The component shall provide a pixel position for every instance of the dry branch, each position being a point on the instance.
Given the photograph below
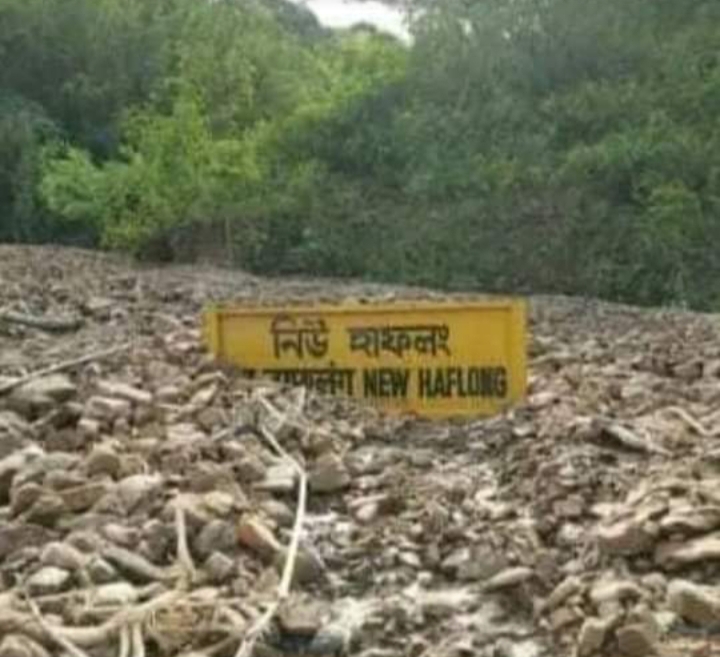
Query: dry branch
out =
(262, 624)
(64, 366)
(184, 557)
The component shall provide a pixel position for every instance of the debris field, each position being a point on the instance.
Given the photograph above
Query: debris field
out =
(154, 503)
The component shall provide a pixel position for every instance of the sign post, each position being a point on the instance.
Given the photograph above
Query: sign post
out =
(431, 359)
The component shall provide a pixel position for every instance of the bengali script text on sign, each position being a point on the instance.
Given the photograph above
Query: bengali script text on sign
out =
(431, 359)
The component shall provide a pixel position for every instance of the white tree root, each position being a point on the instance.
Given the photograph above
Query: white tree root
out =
(184, 558)
(124, 642)
(262, 624)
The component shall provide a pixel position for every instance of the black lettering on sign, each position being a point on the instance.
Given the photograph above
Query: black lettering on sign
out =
(330, 381)
(398, 339)
(308, 335)
(386, 383)
(450, 382)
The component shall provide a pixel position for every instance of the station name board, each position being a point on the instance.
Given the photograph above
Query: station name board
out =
(435, 359)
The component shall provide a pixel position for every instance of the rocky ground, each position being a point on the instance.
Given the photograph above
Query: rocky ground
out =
(151, 503)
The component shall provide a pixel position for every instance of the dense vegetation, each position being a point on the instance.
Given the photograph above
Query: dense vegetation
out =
(536, 145)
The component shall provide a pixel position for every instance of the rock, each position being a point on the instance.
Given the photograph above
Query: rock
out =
(185, 432)
(101, 572)
(329, 475)
(48, 580)
(158, 539)
(249, 469)
(564, 617)
(279, 512)
(691, 521)
(16, 645)
(63, 556)
(694, 603)
(170, 394)
(566, 589)
(309, 565)
(118, 390)
(614, 590)
(15, 537)
(673, 555)
(592, 636)
(82, 498)
(107, 409)
(127, 537)
(330, 641)
(134, 566)
(14, 432)
(220, 568)
(637, 640)
(367, 513)
(100, 308)
(10, 466)
(301, 617)
(23, 497)
(219, 503)
(144, 415)
(482, 564)
(410, 559)
(253, 534)
(216, 536)
(626, 538)
(571, 508)
(118, 594)
(46, 511)
(57, 388)
(58, 480)
(456, 559)
(280, 478)
(689, 371)
(211, 418)
(38, 469)
(657, 583)
(103, 461)
(203, 398)
(89, 428)
(138, 490)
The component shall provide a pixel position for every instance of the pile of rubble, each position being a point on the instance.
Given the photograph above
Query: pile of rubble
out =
(153, 503)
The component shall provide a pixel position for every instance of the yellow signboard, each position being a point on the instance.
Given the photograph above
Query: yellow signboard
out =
(432, 359)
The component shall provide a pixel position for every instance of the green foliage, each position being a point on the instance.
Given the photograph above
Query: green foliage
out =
(24, 129)
(537, 145)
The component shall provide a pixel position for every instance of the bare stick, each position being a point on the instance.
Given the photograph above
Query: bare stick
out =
(688, 419)
(138, 642)
(261, 624)
(64, 366)
(124, 642)
(183, 551)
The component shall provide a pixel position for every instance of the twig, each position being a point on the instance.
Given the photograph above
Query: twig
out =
(630, 440)
(138, 643)
(261, 624)
(694, 424)
(183, 551)
(64, 366)
(124, 642)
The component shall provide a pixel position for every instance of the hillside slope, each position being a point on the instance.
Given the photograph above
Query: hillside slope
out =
(142, 502)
